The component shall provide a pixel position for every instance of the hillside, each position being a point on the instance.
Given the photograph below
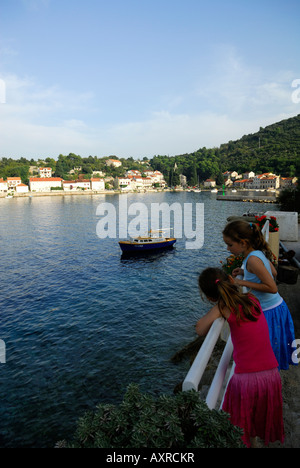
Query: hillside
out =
(275, 148)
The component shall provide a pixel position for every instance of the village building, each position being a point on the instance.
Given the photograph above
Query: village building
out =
(243, 184)
(22, 188)
(81, 184)
(123, 183)
(41, 184)
(137, 182)
(113, 162)
(3, 185)
(97, 184)
(147, 182)
(272, 182)
(133, 172)
(45, 172)
(288, 182)
(12, 182)
(75, 170)
(266, 181)
(98, 174)
(209, 183)
(248, 175)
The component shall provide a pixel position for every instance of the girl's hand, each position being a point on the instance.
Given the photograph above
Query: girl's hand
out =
(203, 325)
(237, 272)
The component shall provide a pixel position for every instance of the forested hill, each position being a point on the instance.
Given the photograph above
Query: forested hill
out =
(275, 148)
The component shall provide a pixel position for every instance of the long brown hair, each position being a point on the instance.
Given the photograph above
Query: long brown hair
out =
(242, 230)
(216, 285)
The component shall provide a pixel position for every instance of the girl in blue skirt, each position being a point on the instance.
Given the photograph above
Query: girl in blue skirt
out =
(246, 238)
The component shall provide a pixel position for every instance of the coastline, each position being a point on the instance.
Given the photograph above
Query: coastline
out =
(62, 193)
(241, 196)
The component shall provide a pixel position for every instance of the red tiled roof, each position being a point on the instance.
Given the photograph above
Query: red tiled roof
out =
(42, 179)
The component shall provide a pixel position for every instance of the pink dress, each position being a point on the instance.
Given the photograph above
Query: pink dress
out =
(253, 398)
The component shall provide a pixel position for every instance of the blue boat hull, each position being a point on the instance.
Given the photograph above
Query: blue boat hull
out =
(130, 247)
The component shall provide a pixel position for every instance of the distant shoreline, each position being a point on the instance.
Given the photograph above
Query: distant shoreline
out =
(61, 193)
(229, 197)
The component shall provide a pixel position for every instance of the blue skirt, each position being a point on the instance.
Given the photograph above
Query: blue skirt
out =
(282, 334)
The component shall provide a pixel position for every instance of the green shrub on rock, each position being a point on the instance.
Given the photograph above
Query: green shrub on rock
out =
(168, 421)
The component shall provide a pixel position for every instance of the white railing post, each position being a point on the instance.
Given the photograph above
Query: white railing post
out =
(219, 378)
(198, 367)
(266, 231)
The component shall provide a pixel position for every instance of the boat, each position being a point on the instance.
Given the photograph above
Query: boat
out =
(214, 190)
(147, 244)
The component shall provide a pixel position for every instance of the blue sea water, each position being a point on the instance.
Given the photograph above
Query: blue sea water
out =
(79, 322)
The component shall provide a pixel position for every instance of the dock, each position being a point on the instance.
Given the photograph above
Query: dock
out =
(240, 197)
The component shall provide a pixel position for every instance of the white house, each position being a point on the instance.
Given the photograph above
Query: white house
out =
(113, 162)
(3, 185)
(22, 188)
(12, 182)
(41, 184)
(209, 183)
(74, 185)
(147, 181)
(266, 181)
(97, 184)
(134, 173)
(139, 182)
(244, 183)
(124, 183)
(45, 172)
(159, 176)
(249, 175)
(272, 182)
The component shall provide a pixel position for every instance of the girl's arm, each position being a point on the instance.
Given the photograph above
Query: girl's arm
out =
(203, 325)
(256, 266)
(273, 269)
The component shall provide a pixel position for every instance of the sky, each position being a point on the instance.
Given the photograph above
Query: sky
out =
(138, 78)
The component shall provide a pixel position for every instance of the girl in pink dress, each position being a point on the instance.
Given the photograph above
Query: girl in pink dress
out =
(253, 398)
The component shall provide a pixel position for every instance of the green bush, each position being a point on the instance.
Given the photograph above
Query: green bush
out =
(143, 421)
